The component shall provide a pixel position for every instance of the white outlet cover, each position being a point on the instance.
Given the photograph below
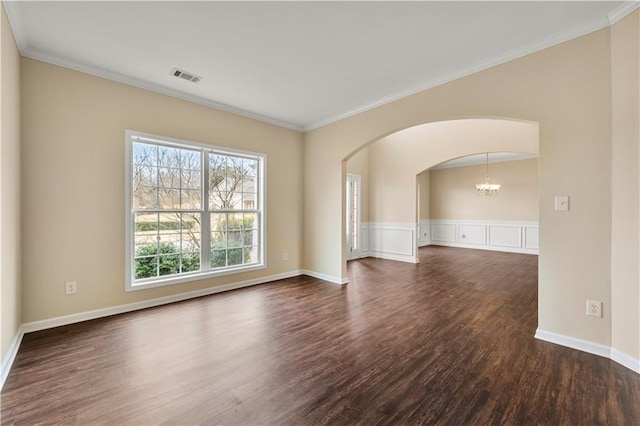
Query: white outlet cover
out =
(594, 308)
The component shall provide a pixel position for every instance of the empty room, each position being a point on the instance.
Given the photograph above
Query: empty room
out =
(320, 212)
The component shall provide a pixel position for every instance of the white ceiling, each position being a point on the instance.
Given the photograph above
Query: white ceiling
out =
(296, 64)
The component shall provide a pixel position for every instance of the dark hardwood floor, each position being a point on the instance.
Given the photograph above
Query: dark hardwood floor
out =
(448, 341)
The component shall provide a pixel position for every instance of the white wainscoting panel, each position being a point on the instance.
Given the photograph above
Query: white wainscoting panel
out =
(531, 237)
(395, 241)
(364, 239)
(443, 232)
(505, 236)
(472, 234)
(424, 233)
(510, 236)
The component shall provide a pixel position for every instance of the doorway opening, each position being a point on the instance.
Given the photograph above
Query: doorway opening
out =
(352, 204)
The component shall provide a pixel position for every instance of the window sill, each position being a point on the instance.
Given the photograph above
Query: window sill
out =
(162, 282)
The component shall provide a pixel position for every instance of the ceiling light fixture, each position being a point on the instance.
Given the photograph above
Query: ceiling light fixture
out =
(487, 188)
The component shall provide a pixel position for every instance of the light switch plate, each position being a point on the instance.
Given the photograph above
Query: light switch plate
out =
(562, 203)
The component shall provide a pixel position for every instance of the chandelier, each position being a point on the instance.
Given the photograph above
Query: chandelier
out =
(487, 188)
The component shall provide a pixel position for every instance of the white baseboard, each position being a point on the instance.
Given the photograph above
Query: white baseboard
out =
(7, 362)
(424, 243)
(626, 360)
(590, 347)
(325, 277)
(392, 256)
(130, 307)
(489, 248)
(574, 343)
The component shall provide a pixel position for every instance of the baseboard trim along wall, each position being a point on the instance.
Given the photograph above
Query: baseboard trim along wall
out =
(325, 277)
(11, 356)
(590, 347)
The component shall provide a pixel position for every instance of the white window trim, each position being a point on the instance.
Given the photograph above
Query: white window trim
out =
(129, 234)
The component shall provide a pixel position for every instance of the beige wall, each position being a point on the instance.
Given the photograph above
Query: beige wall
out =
(398, 158)
(625, 248)
(567, 90)
(424, 195)
(73, 185)
(359, 165)
(11, 315)
(453, 194)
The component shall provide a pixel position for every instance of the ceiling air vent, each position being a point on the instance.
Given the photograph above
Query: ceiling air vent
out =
(186, 75)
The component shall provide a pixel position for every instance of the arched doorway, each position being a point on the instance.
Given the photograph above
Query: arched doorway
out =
(396, 160)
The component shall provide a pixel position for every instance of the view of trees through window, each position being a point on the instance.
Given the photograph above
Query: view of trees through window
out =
(168, 186)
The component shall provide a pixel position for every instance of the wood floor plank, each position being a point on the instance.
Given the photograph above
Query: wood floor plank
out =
(448, 341)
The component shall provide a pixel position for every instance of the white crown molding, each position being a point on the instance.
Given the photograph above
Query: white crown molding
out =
(120, 78)
(553, 40)
(550, 41)
(623, 10)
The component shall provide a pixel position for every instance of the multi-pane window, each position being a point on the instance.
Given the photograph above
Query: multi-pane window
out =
(192, 210)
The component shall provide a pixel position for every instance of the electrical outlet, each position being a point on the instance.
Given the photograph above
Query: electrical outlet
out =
(285, 257)
(70, 287)
(594, 308)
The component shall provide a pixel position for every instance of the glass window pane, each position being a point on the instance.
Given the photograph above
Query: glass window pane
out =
(217, 182)
(190, 199)
(145, 245)
(190, 179)
(191, 232)
(169, 199)
(250, 238)
(190, 159)
(251, 254)
(235, 221)
(190, 262)
(146, 221)
(250, 166)
(145, 154)
(146, 267)
(235, 239)
(218, 222)
(249, 221)
(249, 184)
(168, 156)
(218, 240)
(169, 264)
(249, 201)
(234, 256)
(145, 199)
(218, 258)
(144, 176)
(168, 178)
